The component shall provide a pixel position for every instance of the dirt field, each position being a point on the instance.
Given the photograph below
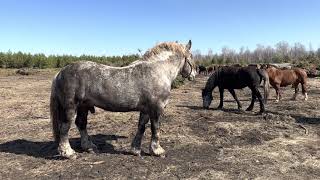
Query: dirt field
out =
(200, 144)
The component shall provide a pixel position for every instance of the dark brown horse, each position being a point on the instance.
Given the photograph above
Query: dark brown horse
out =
(202, 69)
(231, 78)
(284, 77)
(210, 70)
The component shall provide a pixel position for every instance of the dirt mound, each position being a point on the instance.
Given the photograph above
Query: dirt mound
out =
(26, 71)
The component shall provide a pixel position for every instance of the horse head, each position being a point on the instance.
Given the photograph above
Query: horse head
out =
(206, 98)
(189, 68)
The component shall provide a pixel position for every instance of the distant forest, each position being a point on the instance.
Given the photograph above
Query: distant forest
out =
(41, 61)
(282, 52)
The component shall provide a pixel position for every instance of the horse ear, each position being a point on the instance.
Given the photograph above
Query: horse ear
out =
(188, 46)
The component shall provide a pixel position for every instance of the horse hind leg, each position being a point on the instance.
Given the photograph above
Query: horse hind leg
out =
(296, 91)
(81, 123)
(253, 99)
(64, 147)
(258, 94)
(304, 91)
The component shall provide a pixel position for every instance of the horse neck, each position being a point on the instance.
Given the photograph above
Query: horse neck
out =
(211, 83)
(170, 66)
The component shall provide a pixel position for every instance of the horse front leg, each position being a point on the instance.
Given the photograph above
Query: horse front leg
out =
(136, 143)
(233, 93)
(155, 148)
(81, 123)
(221, 90)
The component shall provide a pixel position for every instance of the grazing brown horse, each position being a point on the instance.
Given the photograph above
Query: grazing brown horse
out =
(284, 77)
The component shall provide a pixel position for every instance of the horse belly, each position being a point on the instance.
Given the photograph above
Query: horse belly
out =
(233, 86)
(115, 103)
(118, 107)
(286, 82)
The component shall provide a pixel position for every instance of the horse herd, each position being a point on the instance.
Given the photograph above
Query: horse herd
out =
(145, 86)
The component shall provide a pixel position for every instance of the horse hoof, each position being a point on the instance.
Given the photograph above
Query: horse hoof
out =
(67, 152)
(157, 150)
(249, 109)
(71, 156)
(90, 147)
(136, 151)
(93, 150)
(260, 113)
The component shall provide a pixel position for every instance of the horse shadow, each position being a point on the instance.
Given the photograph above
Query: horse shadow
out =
(300, 119)
(191, 107)
(307, 120)
(229, 110)
(48, 149)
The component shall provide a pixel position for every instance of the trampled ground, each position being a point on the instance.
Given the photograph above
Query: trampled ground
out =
(284, 143)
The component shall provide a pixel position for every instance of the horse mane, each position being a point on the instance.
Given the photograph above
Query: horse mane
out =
(212, 80)
(164, 46)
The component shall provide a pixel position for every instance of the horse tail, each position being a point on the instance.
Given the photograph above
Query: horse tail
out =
(57, 114)
(266, 84)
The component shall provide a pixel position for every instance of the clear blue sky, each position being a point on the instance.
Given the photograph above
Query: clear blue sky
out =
(117, 27)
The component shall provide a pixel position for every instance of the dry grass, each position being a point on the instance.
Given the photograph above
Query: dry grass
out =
(200, 144)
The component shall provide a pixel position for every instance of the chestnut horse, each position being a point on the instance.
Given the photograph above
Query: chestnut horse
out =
(284, 77)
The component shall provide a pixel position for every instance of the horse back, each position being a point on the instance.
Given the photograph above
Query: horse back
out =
(285, 77)
(238, 77)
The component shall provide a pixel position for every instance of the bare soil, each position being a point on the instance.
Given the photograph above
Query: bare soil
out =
(283, 143)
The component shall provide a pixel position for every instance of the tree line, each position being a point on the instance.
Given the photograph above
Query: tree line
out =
(27, 60)
(282, 52)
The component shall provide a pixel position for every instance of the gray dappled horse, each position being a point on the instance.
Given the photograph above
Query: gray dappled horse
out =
(142, 86)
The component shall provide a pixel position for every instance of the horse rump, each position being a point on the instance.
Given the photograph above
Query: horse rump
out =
(57, 114)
